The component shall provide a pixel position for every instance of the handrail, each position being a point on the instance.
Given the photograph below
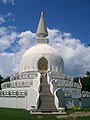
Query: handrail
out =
(37, 99)
(38, 75)
(56, 101)
(51, 87)
(48, 79)
(37, 102)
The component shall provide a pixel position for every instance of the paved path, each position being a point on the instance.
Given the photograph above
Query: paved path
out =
(74, 115)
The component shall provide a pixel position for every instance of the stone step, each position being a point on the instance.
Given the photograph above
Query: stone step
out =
(49, 100)
(43, 84)
(47, 104)
(45, 92)
(46, 98)
(47, 95)
(42, 97)
(44, 87)
(47, 110)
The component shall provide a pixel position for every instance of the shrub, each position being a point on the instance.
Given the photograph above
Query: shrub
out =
(76, 108)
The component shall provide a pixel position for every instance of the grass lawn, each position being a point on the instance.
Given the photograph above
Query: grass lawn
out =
(17, 114)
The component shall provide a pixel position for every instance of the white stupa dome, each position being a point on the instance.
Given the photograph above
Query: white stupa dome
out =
(31, 57)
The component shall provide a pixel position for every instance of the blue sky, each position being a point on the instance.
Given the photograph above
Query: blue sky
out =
(67, 15)
(68, 23)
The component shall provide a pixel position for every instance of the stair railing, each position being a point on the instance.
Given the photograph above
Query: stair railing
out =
(37, 99)
(38, 75)
(48, 79)
(51, 87)
(56, 100)
(37, 102)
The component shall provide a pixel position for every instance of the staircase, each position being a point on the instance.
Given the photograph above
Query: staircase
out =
(46, 98)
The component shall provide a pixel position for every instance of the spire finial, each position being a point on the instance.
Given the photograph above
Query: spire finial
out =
(42, 29)
(42, 13)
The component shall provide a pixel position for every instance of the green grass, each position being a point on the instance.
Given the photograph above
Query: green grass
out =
(19, 114)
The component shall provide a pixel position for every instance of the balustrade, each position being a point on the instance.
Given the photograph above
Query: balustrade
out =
(13, 93)
(16, 84)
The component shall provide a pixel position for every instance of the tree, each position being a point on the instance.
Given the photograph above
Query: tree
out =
(85, 81)
(88, 74)
(89, 44)
(1, 77)
(2, 80)
(76, 79)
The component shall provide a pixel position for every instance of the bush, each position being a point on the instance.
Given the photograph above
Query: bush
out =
(76, 108)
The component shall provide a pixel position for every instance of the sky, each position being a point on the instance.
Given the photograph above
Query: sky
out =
(68, 23)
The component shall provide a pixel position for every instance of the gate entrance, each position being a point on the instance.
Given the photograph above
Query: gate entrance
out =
(43, 64)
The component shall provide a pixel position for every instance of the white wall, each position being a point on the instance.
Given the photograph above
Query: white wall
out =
(67, 102)
(21, 101)
(13, 102)
(32, 98)
(85, 102)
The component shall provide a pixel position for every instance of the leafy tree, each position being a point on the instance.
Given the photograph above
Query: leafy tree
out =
(76, 79)
(2, 80)
(85, 81)
(89, 44)
(6, 79)
(88, 74)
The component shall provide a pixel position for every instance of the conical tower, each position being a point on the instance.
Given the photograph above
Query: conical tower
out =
(42, 33)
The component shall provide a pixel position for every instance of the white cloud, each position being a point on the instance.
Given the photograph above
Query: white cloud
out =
(6, 65)
(2, 20)
(1, 72)
(9, 1)
(7, 37)
(15, 42)
(26, 39)
(7, 17)
(75, 54)
(67, 35)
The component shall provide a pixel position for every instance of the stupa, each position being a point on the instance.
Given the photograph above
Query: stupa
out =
(41, 84)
